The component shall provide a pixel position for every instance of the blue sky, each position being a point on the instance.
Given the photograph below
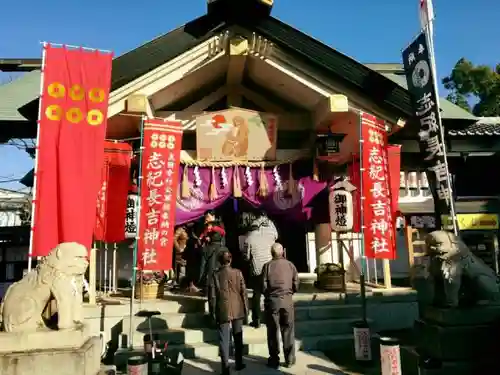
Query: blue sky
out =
(369, 31)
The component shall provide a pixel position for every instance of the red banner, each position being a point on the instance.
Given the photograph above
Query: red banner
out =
(160, 170)
(73, 117)
(112, 198)
(378, 228)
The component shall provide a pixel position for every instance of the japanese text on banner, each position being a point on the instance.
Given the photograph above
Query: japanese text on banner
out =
(425, 103)
(378, 222)
(160, 170)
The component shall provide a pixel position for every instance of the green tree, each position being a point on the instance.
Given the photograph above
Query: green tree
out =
(474, 83)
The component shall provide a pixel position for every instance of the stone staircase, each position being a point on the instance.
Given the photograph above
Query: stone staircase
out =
(320, 325)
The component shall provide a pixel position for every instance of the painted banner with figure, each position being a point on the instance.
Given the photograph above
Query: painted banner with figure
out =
(70, 152)
(112, 197)
(162, 144)
(378, 222)
(236, 134)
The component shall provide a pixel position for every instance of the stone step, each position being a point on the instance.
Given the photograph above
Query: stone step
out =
(253, 348)
(198, 319)
(208, 335)
(165, 321)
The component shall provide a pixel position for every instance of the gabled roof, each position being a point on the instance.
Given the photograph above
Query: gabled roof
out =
(387, 90)
(486, 126)
(166, 47)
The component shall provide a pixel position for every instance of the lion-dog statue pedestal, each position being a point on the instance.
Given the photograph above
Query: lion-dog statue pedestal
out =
(27, 344)
(457, 333)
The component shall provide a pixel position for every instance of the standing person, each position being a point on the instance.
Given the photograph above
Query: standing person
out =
(211, 224)
(210, 258)
(280, 281)
(261, 236)
(180, 243)
(191, 255)
(228, 305)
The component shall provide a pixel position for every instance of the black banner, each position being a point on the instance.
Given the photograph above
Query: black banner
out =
(420, 80)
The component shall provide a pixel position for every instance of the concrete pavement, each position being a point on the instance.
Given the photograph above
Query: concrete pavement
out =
(308, 363)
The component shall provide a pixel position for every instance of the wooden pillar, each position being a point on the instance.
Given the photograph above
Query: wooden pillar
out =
(387, 273)
(323, 242)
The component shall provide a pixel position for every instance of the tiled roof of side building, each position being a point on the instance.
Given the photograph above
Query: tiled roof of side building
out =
(17, 93)
(485, 126)
(449, 110)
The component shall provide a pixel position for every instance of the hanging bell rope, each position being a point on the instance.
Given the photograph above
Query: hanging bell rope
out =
(292, 184)
(236, 183)
(263, 184)
(212, 192)
(185, 193)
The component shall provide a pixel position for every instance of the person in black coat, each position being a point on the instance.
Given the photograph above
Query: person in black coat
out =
(210, 257)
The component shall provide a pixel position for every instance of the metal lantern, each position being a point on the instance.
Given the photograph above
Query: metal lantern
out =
(341, 206)
(328, 145)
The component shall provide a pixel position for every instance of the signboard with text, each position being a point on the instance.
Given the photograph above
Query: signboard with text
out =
(420, 80)
(160, 170)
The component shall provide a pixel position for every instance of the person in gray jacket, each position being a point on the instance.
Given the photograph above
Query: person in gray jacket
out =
(261, 236)
(280, 281)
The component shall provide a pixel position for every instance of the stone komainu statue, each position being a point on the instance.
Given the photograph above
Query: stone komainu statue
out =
(59, 275)
(457, 276)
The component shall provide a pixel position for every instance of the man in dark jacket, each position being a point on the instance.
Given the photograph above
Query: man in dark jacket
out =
(228, 304)
(210, 257)
(279, 282)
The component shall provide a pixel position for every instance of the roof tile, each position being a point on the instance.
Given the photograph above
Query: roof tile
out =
(485, 126)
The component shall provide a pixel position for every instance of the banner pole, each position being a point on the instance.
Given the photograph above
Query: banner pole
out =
(430, 44)
(137, 237)
(114, 267)
(106, 286)
(362, 224)
(35, 170)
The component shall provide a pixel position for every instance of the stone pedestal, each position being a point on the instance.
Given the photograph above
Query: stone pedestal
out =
(50, 352)
(457, 341)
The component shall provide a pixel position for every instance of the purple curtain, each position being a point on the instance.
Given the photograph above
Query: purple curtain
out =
(278, 201)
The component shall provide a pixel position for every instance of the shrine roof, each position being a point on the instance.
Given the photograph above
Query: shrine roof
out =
(385, 89)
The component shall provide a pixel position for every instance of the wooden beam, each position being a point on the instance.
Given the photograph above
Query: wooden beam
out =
(261, 100)
(400, 124)
(328, 107)
(286, 121)
(197, 107)
(238, 52)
